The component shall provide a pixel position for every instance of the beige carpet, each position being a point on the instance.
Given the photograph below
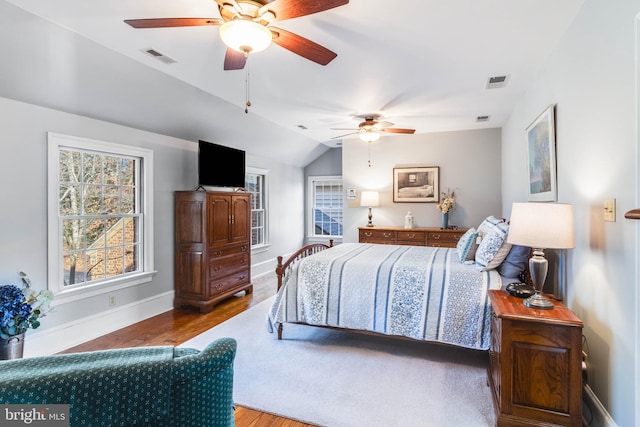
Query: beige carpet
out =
(341, 379)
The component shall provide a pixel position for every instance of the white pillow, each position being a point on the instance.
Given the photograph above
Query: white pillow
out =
(493, 248)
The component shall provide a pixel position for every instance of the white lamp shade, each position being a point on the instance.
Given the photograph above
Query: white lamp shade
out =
(542, 225)
(369, 198)
(245, 35)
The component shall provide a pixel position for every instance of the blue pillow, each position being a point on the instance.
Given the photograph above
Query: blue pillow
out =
(467, 245)
(515, 262)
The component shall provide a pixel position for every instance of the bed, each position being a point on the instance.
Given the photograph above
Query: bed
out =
(415, 292)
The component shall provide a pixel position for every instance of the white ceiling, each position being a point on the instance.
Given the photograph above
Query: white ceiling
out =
(422, 64)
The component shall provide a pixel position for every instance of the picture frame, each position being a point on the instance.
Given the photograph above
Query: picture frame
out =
(541, 157)
(420, 184)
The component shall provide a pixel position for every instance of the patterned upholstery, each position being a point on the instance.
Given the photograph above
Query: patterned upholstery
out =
(145, 386)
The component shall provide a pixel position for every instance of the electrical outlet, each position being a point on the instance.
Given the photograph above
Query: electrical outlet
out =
(112, 300)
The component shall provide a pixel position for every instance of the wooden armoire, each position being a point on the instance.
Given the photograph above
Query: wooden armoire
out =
(212, 247)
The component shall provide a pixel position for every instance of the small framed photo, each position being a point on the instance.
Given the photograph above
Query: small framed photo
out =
(541, 153)
(416, 184)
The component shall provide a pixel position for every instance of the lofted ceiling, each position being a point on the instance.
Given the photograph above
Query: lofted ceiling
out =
(421, 64)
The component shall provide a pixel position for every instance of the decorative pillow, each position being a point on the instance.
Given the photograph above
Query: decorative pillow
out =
(467, 245)
(493, 248)
(515, 262)
(488, 224)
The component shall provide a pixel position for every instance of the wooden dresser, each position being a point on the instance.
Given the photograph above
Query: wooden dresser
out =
(212, 247)
(535, 363)
(410, 236)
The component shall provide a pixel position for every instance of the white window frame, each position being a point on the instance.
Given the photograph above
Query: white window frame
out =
(55, 143)
(265, 198)
(311, 184)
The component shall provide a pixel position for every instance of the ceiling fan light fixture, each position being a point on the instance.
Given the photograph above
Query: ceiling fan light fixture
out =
(245, 35)
(369, 136)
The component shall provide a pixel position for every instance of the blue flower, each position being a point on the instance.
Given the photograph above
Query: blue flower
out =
(21, 308)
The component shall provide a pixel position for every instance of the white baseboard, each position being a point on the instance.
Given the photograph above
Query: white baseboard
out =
(82, 330)
(594, 413)
(265, 267)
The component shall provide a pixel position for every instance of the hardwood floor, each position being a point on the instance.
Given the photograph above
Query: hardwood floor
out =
(179, 325)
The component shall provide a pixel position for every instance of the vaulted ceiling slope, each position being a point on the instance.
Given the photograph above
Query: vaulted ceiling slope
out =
(421, 64)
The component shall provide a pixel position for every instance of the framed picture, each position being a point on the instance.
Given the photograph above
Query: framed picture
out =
(416, 184)
(541, 153)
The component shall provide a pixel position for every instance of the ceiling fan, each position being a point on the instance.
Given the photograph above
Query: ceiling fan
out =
(372, 127)
(245, 27)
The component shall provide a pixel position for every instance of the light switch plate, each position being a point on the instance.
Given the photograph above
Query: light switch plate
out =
(610, 210)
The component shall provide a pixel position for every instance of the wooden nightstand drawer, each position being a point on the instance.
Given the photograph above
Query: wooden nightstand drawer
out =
(444, 238)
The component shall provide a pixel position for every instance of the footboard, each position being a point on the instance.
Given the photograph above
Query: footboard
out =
(283, 268)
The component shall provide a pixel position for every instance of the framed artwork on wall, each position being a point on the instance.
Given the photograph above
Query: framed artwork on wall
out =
(541, 156)
(416, 184)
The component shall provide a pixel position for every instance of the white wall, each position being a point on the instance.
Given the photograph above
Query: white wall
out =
(23, 218)
(469, 163)
(591, 78)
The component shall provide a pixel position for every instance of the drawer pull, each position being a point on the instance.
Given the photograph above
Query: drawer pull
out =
(387, 235)
(216, 269)
(217, 253)
(368, 233)
(243, 277)
(243, 249)
(243, 261)
(436, 236)
(411, 236)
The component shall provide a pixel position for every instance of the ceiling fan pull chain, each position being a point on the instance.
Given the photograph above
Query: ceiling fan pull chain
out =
(246, 82)
(369, 155)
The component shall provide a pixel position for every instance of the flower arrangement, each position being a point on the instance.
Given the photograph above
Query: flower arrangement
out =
(447, 202)
(21, 308)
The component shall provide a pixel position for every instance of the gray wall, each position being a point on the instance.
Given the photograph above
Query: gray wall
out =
(469, 163)
(23, 217)
(592, 77)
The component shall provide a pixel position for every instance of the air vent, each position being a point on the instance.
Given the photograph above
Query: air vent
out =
(482, 119)
(160, 56)
(497, 82)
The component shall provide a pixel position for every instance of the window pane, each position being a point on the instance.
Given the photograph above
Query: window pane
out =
(95, 231)
(73, 234)
(115, 262)
(327, 207)
(91, 168)
(92, 201)
(127, 171)
(69, 200)
(74, 268)
(111, 199)
(95, 263)
(69, 166)
(111, 170)
(127, 200)
(131, 258)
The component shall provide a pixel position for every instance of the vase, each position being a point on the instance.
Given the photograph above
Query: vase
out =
(445, 220)
(12, 347)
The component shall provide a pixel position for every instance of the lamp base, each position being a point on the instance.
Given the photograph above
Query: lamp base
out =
(538, 301)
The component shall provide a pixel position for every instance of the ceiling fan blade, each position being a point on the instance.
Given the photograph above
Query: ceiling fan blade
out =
(234, 60)
(287, 9)
(342, 136)
(381, 125)
(398, 130)
(173, 22)
(301, 46)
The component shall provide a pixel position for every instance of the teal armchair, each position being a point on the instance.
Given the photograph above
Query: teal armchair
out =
(143, 386)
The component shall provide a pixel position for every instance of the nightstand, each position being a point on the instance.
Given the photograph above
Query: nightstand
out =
(535, 363)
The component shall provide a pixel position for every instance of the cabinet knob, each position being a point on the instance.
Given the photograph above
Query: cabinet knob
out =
(243, 261)
(243, 277)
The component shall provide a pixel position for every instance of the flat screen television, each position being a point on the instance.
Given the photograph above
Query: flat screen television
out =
(220, 166)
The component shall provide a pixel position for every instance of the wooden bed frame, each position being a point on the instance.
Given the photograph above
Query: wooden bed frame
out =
(284, 267)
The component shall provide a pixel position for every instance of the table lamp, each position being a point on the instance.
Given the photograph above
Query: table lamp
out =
(369, 199)
(541, 226)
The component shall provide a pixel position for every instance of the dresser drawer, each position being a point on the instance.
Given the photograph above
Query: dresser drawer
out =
(446, 239)
(417, 238)
(231, 281)
(230, 250)
(377, 236)
(222, 266)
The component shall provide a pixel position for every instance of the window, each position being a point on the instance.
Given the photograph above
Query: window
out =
(100, 214)
(326, 202)
(256, 184)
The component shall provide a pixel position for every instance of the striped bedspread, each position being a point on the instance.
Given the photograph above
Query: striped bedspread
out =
(423, 293)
